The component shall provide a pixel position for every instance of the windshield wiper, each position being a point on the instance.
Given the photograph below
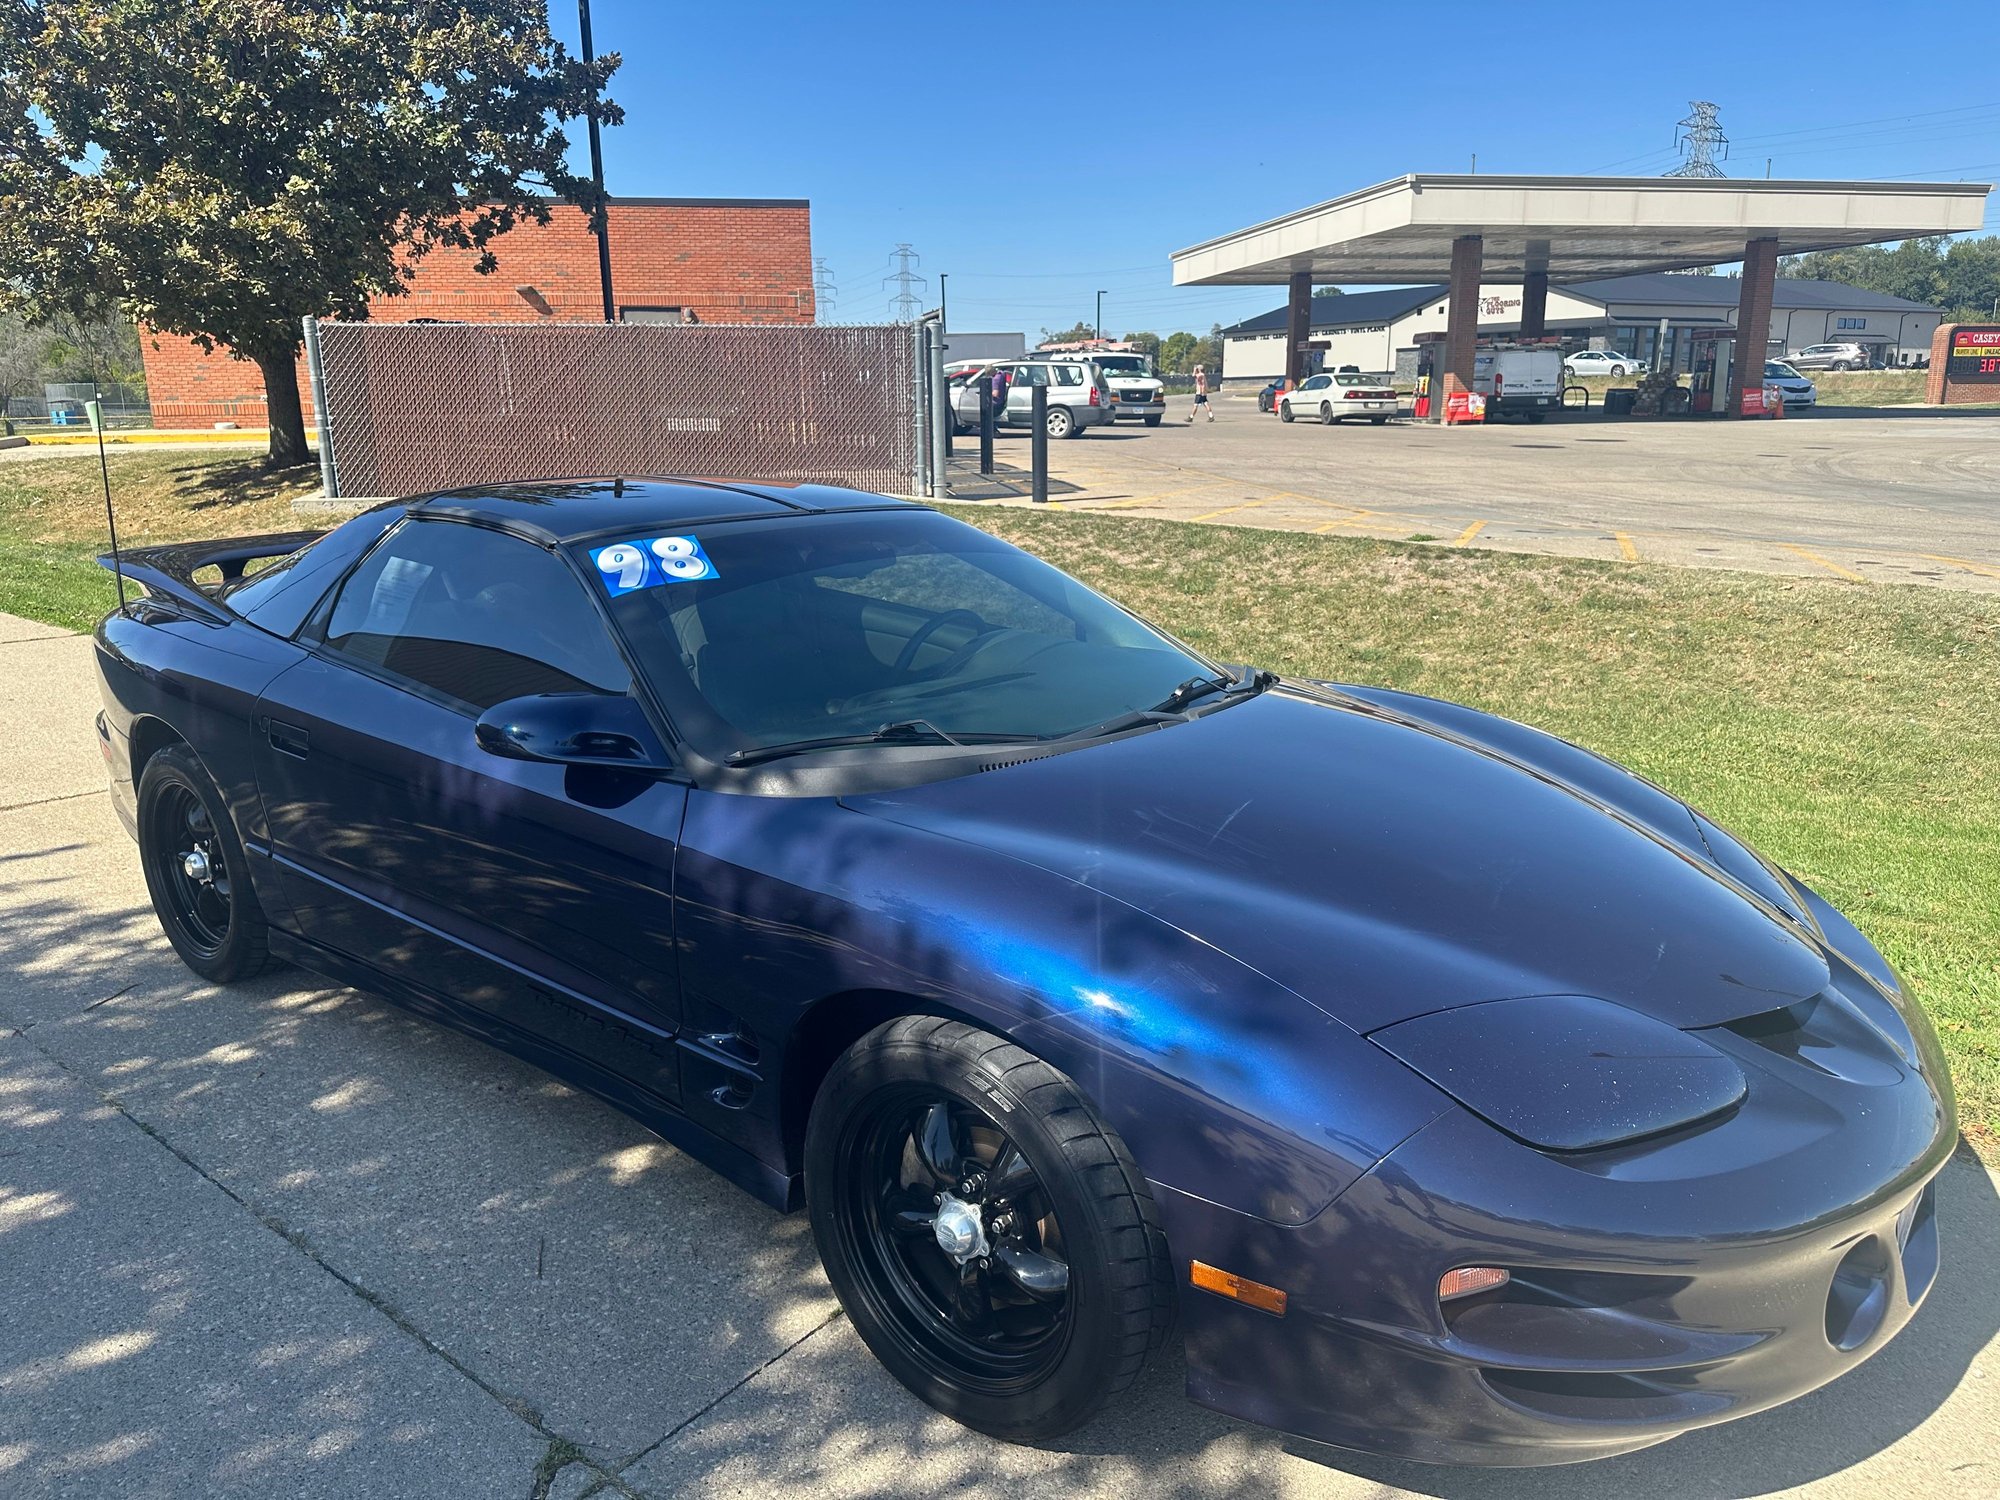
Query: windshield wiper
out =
(1170, 709)
(1187, 692)
(902, 732)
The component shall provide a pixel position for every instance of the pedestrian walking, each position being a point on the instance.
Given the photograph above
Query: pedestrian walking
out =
(1201, 395)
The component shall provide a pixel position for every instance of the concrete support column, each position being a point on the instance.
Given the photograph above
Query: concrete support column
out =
(1534, 304)
(1298, 325)
(1461, 329)
(1753, 319)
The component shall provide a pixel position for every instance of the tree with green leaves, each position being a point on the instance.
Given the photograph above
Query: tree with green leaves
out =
(1326, 291)
(1080, 333)
(225, 168)
(1147, 344)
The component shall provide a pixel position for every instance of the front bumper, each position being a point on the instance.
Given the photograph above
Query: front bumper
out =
(1139, 409)
(1659, 1287)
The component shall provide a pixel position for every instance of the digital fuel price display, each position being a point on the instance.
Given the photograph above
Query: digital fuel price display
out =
(1974, 355)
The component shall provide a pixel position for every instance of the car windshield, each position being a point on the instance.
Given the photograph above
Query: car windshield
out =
(1778, 370)
(767, 633)
(1370, 380)
(1123, 364)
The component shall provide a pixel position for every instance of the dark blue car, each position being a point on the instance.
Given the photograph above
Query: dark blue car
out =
(1463, 1095)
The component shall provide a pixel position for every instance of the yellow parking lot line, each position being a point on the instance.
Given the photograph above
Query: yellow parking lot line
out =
(1469, 533)
(1959, 562)
(1355, 520)
(1157, 496)
(1625, 547)
(1831, 567)
(1230, 510)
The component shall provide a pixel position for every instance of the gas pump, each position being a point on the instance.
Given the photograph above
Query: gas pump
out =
(1713, 358)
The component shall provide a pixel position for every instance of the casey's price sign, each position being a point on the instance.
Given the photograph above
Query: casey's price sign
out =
(1975, 355)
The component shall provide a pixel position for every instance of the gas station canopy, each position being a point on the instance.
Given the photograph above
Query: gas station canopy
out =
(1571, 228)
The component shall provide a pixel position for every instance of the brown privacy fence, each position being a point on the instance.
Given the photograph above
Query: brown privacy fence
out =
(411, 407)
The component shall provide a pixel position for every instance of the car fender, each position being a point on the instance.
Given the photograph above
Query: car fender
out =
(1224, 1084)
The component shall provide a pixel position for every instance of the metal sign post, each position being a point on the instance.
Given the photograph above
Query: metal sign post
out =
(329, 477)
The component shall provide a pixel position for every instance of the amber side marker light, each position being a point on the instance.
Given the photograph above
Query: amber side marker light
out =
(1469, 1279)
(1237, 1288)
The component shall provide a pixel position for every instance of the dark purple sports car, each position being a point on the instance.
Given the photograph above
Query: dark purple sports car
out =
(1463, 1095)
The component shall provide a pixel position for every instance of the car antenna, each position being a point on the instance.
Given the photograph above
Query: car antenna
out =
(94, 409)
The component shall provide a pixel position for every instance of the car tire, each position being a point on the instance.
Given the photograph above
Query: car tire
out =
(1154, 420)
(1838, 364)
(1617, 372)
(1326, 416)
(210, 914)
(1031, 1340)
(1377, 421)
(1285, 411)
(1060, 423)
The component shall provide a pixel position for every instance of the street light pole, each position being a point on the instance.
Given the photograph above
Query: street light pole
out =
(1100, 317)
(943, 326)
(601, 216)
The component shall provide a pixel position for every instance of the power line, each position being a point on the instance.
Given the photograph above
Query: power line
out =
(826, 295)
(906, 302)
(1698, 135)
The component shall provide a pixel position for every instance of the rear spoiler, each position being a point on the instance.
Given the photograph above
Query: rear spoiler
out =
(170, 570)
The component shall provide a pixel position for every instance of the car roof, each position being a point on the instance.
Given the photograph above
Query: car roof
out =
(567, 510)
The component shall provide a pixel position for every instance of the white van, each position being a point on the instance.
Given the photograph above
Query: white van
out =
(1519, 380)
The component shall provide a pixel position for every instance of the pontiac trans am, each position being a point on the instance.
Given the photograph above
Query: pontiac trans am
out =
(1455, 1093)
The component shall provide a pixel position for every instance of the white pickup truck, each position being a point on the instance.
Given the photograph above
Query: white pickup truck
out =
(1519, 381)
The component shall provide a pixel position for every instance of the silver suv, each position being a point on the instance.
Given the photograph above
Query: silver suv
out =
(1079, 396)
(1831, 357)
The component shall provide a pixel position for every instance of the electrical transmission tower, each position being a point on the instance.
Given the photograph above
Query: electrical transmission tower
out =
(825, 293)
(1698, 136)
(906, 304)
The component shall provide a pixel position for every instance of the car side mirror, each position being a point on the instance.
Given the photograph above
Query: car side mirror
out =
(572, 729)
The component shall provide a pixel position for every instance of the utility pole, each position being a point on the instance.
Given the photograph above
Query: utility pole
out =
(906, 302)
(1698, 136)
(600, 219)
(825, 293)
(1100, 317)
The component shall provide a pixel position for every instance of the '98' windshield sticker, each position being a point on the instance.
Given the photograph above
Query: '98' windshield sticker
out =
(648, 562)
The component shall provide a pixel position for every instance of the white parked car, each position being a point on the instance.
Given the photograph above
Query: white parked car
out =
(1335, 398)
(1602, 362)
(1794, 388)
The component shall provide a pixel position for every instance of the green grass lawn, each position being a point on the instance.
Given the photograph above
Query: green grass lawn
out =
(1848, 732)
(52, 520)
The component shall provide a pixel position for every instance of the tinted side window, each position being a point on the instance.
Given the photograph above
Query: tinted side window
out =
(475, 615)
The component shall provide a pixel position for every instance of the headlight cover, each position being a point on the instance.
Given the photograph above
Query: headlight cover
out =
(1567, 1072)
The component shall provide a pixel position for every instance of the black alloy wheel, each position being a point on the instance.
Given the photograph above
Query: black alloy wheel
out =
(1013, 1274)
(195, 870)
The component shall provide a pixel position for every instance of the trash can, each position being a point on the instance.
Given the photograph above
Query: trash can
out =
(1619, 400)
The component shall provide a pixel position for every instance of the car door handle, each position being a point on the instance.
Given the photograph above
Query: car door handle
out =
(288, 739)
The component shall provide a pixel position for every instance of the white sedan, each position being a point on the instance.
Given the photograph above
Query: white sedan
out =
(1602, 362)
(1334, 398)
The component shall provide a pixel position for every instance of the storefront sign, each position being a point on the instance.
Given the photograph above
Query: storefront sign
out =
(1974, 355)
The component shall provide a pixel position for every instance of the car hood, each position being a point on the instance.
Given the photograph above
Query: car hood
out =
(1384, 868)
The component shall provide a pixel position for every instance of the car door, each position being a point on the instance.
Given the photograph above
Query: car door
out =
(1021, 393)
(529, 894)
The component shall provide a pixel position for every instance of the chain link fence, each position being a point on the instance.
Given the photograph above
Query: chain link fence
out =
(406, 408)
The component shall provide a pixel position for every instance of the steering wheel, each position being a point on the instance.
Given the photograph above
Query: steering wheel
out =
(930, 628)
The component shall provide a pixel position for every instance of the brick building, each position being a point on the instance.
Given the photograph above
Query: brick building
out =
(723, 260)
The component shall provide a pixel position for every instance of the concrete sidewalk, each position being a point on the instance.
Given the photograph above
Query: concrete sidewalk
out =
(284, 1240)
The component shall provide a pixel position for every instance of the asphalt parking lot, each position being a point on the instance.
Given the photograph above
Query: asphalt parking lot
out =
(1890, 495)
(283, 1239)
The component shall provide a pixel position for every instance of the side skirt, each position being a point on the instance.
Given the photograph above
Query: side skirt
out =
(779, 1190)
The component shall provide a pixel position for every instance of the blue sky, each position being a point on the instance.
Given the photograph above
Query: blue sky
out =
(923, 123)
